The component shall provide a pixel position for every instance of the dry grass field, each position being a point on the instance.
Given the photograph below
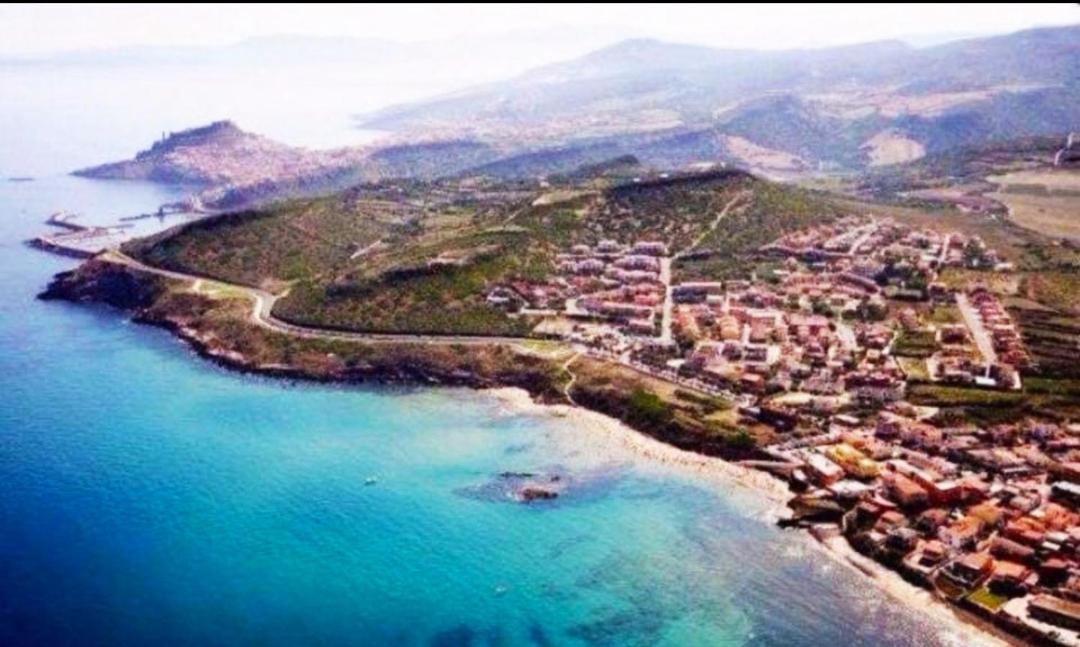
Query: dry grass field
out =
(1044, 200)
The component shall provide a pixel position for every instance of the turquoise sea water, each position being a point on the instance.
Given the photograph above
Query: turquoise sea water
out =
(149, 498)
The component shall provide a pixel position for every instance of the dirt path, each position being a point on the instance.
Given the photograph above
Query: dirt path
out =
(713, 225)
(573, 378)
(363, 251)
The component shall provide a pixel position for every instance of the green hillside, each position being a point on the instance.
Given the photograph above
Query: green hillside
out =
(418, 257)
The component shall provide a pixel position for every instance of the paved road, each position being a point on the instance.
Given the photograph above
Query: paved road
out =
(944, 251)
(669, 304)
(263, 306)
(573, 378)
(867, 233)
(978, 331)
(668, 308)
(363, 251)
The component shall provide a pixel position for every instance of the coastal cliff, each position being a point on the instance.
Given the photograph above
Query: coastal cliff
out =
(95, 281)
(221, 330)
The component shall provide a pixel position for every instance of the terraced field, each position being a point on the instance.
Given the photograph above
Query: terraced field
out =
(1053, 339)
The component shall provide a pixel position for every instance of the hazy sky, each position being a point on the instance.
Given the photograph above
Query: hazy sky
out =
(37, 29)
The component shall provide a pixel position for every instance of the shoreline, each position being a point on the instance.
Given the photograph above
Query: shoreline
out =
(602, 434)
(606, 429)
(962, 625)
(957, 626)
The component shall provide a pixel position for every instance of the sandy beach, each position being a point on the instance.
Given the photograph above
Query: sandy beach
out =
(957, 627)
(608, 439)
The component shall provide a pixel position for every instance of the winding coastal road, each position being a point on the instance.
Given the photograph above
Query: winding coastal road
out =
(263, 302)
(262, 311)
(263, 306)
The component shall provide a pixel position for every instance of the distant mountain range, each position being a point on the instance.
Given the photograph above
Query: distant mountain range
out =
(782, 112)
(230, 168)
(666, 106)
(455, 60)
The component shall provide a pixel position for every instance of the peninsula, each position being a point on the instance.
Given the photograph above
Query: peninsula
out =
(904, 365)
(891, 331)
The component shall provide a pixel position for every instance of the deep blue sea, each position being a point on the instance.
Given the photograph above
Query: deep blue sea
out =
(148, 497)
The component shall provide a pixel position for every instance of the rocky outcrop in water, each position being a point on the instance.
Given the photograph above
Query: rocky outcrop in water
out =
(519, 487)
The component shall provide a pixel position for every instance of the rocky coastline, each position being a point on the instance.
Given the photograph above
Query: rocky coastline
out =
(151, 300)
(526, 385)
(404, 364)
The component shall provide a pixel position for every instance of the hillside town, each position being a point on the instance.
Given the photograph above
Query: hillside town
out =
(843, 308)
(820, 347)
(465, 325)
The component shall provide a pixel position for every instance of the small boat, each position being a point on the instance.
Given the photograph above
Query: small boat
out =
(371, 480)
(501, 590)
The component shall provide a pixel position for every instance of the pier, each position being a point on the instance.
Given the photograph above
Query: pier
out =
(78, 240)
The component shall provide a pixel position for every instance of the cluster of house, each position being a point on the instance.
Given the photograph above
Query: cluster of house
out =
(847, 264)
(616, 283)
(820, 324)
(996, 363)
(1004, 335)
(805, 328)
(988, 517)
(755, 339)
(844, 237)
(620, 285)
(866, 238)
(882, 251)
